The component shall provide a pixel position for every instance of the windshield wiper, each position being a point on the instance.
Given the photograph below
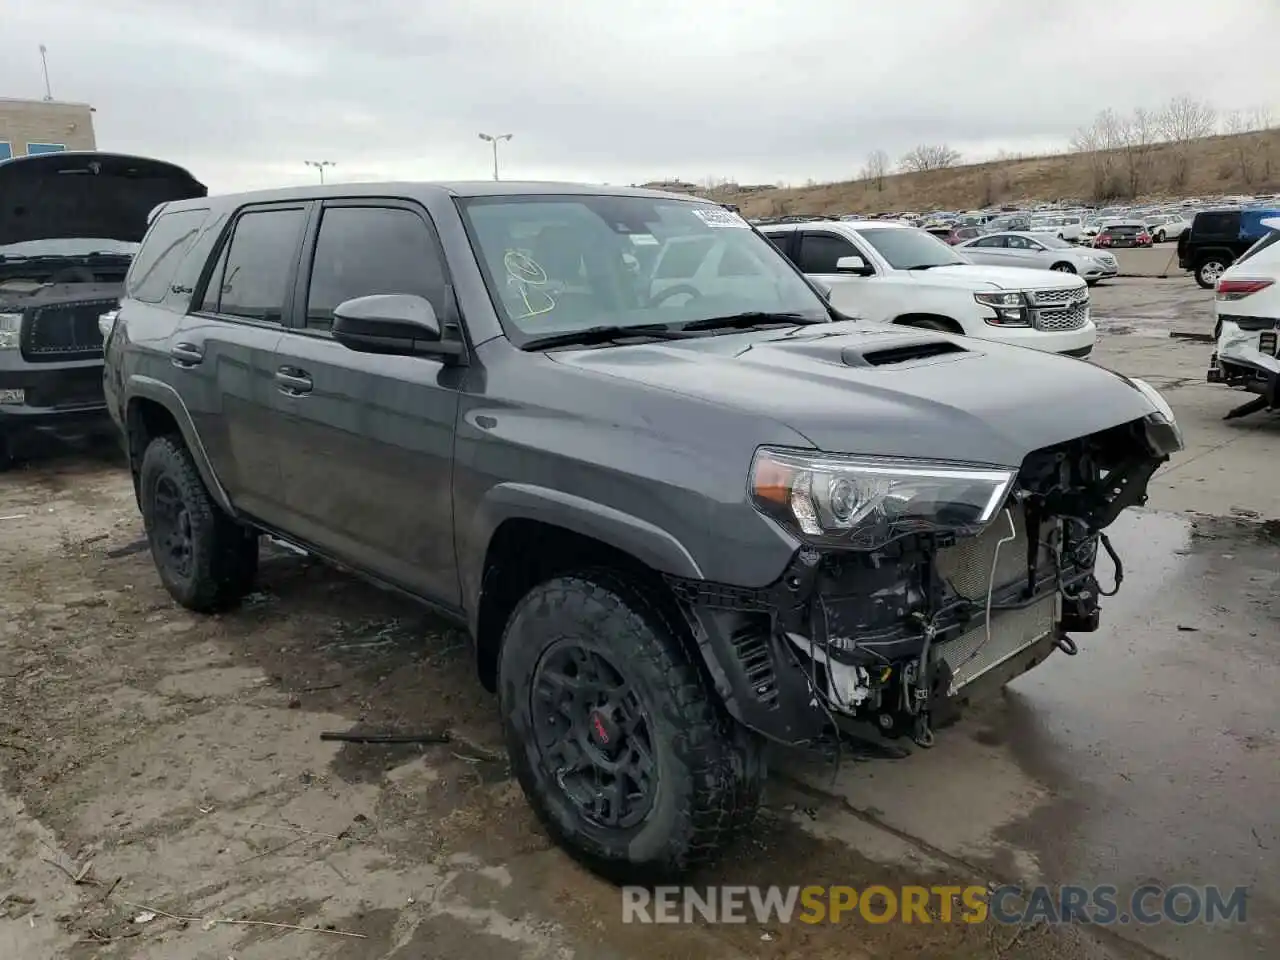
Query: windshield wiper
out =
(589, 336)
(748, 319)
(930, 266)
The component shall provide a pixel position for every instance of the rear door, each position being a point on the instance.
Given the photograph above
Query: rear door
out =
(223, 354)
(989, 251)
(367, 458)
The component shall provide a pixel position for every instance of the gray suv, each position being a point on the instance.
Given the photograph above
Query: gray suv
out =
(683, 511)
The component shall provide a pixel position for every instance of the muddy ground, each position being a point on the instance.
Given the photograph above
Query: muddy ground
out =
(162, 767)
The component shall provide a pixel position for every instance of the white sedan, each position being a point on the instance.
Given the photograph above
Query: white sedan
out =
(1036, 250)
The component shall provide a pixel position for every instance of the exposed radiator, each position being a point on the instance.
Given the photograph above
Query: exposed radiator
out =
(970, 655)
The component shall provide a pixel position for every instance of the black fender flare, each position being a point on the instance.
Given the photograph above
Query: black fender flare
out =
(647, 542)
(139, 387)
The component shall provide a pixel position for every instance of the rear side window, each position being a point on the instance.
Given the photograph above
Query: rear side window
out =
(163, 249)
(1226, 225)
(252, 276)
(364, 251)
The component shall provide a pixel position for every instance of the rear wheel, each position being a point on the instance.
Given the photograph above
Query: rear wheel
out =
(615, 739)
(1063, 267)
(205, 560)
(1210, 271)
(1159, 236)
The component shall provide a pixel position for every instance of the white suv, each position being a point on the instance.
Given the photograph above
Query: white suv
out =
(1246, 306)
(899, 274)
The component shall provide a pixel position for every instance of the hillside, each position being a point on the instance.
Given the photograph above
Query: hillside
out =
(1247, 163)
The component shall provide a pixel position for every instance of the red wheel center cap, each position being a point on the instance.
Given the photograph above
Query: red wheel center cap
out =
(600, 727)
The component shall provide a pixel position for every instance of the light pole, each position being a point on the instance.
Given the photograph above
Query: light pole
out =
(320, 165)
(490, 138)
(44, 65)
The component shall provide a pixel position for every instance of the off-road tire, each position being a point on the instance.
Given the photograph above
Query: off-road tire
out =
(224, 555)
(1201, 268)
(711, 771)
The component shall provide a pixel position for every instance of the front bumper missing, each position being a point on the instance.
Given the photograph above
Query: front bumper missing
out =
(785, 662)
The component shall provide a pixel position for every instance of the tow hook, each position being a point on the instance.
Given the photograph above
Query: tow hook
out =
(921, 732)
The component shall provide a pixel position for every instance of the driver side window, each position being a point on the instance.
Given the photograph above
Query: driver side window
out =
(819, 252)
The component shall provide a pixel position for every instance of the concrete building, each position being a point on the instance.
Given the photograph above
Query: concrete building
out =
(44, 126)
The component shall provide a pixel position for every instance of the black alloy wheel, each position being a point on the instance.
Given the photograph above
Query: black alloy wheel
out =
(171, 528)
(593, 735)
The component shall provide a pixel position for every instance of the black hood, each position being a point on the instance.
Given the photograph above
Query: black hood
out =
(55, 196)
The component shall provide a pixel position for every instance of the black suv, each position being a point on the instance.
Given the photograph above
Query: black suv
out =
(680, 517)
(69, 226)
(1216, 238)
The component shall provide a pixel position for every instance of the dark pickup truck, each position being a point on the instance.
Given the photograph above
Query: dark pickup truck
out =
(680, 518)
(69, 227)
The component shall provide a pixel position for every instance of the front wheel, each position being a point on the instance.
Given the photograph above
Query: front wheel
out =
(205, 560)
(1159, 237)
(614, 737)
(1210, 272)
(1063, 268)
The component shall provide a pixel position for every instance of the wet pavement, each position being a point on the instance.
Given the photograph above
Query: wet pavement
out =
(1153, 756)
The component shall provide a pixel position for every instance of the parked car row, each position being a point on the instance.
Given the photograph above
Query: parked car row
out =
(681, 502)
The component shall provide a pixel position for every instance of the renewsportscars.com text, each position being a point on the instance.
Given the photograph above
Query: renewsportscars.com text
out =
(1100, 904)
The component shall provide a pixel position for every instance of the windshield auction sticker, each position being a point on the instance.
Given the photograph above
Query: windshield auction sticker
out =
(720, 217)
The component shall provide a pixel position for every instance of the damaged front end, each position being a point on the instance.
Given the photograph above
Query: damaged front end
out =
(918, 585)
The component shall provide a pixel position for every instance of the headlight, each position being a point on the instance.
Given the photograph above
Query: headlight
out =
(1010, 307)
(1157, 401)
(10, 327)
(863, 503)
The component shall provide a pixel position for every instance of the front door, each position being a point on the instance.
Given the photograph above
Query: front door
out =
(367, 462)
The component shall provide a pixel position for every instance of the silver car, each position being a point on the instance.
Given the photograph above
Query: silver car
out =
(1038, 251)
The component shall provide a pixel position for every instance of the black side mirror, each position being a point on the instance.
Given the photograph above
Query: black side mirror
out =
(401, 324)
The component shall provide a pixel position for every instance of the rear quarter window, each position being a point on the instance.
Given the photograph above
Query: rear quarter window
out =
(1224, 225)
(163, 248)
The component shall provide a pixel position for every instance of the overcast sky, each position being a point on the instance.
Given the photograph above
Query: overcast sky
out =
(620, 91)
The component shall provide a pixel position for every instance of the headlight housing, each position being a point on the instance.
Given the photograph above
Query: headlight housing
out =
(864, 503)
(1012, 308)
(10, 330)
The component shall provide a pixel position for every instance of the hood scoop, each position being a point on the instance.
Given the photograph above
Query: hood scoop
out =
(904, 351)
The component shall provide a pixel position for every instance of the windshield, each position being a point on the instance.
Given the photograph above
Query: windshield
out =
(1123, 229)
(910, 249)
(64, 247)
(559, 264)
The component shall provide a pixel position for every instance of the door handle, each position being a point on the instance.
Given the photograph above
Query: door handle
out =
(293, 382)
(185, 354)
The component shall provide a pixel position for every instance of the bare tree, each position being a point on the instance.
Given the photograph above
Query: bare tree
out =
(1139, 135)
(925, 157)
(1251, 146)
(1182, 121)
(876, 169)
(1099, 142)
